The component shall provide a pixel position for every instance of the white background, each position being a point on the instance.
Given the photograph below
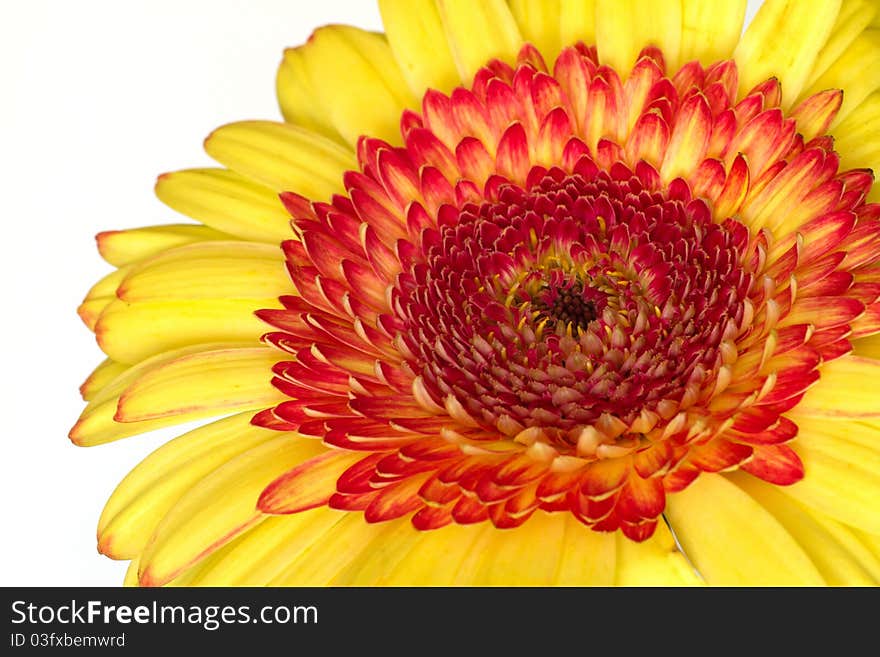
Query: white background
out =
(97, 97)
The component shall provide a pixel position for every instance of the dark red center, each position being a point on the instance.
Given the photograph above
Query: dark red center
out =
(585, 294)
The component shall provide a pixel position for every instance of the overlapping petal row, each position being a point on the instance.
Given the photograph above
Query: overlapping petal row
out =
(571, 292)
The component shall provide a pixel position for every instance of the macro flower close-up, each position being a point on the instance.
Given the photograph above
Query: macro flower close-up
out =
(521, 293)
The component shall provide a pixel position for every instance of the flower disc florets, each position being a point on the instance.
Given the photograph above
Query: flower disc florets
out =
(586, 298)
(570, 292)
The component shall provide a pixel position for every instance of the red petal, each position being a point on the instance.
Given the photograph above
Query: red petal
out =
(429, 517)
(308, 485)
(468, 511)
(605, 476)
(641, 498)
(778, 464)
(395, 501)
(512, 158)
(815, 114)
(719, 454)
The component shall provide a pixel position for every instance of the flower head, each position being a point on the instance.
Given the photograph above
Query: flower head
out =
(556, 306)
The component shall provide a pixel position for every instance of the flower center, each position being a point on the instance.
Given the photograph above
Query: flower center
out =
(584, 300)
(566, 305)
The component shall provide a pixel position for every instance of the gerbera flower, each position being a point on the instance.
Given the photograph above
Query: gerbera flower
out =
(517, 293)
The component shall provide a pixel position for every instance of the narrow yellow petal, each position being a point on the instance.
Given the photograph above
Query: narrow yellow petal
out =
(129, 332)
(209, 270)
(331, 553)
(415, 34)
(121, 247)
(100, 377)
(732, 540)
(870, 541)
(539, 23)
(146, 494)
(373, 565)
(96, 424)
(710, 30)
(100, 295)
(263, 553)
(855, 71)
(525, 556)
(783, 41)
(438, 557)
(284, 157)
(227, 201)
(867, 347)
(182, 455)
(357, 82)
(844, 390)
(219, 507)
(841, 470)
(297, 95)
(131, 573)
(478, 32)
(837, 565)
(624, 27)
(855, 137)
(854, 17)
(201, 384)
(855, 544)
(655, 562)
(586, 558)
(577, 22)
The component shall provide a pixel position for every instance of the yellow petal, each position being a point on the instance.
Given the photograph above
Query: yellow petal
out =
(539, 23)
(654, 562)
(856, 136)
(130, 332)
(131, 573)
(710, 30)
(329, 555)
(855, 71)
(732, 540)
(867, 347)
(357, 82)
(586, 558)
(783, 41)
(219, 507)
(415, 34)
(202, 384)
(844, 390)
(834, 561)
(841, 470)
(373, 565)
(297, 95)
(854, 17)
(870, 541)
(478, 32)
(577, 22)
(96, 424)
(624, 27)
(437, 559)
(283, 157)
(121, 247)
(263, 553)
(854, 542)
(517, 557)
(146, 494)
(100, 377)
(209, 270)
(100, 295)
(227, 201)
